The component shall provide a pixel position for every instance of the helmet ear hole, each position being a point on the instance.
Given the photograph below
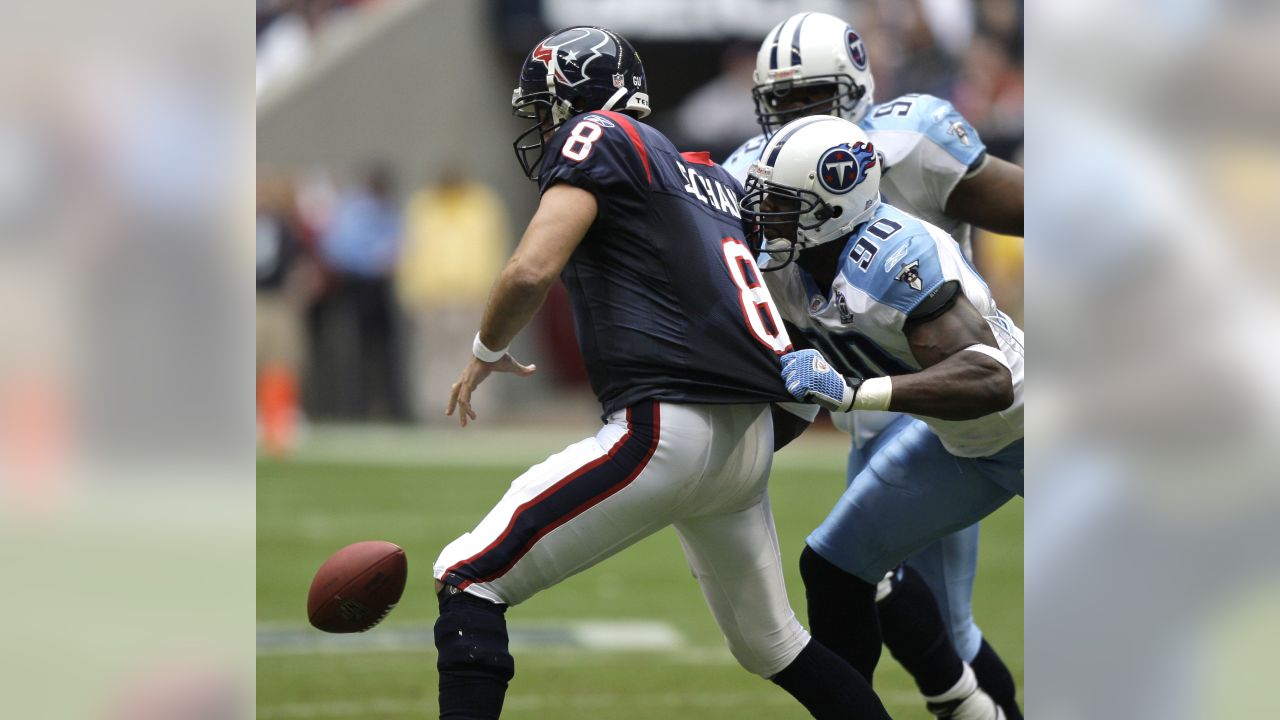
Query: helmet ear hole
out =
(837, 211)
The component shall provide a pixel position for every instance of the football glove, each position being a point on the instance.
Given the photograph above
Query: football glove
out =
(810, 378)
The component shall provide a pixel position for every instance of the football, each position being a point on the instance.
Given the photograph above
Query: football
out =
(357, 587)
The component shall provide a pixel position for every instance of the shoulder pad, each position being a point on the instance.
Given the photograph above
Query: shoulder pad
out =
(927, 117)
(596, 149)
(894, 259)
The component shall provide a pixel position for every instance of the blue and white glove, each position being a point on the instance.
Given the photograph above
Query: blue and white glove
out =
(810, 378)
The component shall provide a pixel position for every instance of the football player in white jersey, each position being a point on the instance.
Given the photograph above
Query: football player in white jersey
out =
(895, 319)
(936, 168)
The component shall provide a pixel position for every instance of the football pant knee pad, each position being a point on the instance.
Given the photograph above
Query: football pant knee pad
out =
(769, 655)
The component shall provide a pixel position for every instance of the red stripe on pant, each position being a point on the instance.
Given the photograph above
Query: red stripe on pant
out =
(549, 494)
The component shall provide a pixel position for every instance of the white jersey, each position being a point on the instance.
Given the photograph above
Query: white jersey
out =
(927, 149)
(890, 266)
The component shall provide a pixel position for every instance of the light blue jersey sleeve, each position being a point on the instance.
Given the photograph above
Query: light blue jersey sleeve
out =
(932, 119)
(739, 161)
(894, 260)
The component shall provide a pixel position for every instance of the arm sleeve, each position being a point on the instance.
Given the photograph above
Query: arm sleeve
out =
(936, 302)
(950, 150)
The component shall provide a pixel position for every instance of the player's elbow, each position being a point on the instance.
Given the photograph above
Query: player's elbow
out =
(527, 277)
(997, 389)
(988, 388)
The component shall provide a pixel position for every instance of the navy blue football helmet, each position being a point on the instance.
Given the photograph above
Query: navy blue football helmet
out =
(572, 71)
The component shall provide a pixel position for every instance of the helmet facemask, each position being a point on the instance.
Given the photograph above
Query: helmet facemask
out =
(548, 112)
(780, 102)
(784, 219)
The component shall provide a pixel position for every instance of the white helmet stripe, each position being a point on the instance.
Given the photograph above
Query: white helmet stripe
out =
(773, 54)
(777, 148)
(781, 56)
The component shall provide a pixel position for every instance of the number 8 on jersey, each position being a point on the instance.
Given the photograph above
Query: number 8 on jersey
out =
(578, 146)
(757, 304)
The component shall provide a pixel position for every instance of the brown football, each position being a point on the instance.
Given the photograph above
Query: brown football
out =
(357, 586)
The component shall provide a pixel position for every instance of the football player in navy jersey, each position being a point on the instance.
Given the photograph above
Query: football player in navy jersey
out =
(936, 168)
(682, 345)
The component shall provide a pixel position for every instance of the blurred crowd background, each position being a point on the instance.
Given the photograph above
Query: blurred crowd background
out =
(388, 198)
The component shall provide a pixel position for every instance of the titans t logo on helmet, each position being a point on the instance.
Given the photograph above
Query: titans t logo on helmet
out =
(841, 168)
(569, 59)
(857, 51)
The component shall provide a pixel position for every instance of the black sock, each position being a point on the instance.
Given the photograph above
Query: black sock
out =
(994, 677)
(842, 612)
(916, 635)
(828, 688)
(474, 664)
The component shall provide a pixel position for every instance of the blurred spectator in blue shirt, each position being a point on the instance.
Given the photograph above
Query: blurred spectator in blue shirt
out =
(363, 237)
(360, 347)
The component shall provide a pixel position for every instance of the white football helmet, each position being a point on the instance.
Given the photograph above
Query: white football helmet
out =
(809, 50)
(816, 180)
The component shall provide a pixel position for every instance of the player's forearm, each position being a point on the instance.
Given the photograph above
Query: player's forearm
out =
(965, 386)
(514, 300)
(563, 217)
(992, 199)
(1007, 219)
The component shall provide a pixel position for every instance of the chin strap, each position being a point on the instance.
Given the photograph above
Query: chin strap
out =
(558, 106)
(613, 99)
(638, 102)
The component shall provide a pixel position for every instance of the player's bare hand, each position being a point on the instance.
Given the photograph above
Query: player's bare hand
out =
(472, 375)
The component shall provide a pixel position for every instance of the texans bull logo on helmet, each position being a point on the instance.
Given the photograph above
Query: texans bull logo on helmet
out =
(843, 167)
(570, 71)
(569, 59)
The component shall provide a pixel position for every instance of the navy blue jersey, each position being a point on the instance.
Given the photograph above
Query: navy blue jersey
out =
(667, 301)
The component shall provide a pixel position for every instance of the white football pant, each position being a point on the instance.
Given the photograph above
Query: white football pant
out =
(701, 468)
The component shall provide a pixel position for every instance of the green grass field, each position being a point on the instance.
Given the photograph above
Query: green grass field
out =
(309, 507)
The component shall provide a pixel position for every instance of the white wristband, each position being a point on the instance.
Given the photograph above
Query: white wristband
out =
(484, 353)
(874, 394)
